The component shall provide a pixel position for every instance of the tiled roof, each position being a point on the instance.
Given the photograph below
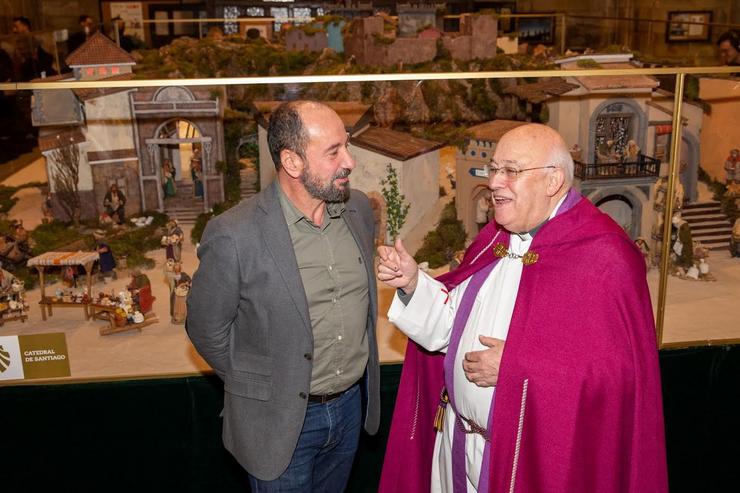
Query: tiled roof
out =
(99, 50)
(59, 139)
(538, 92)
(394, 144)
(89, 93)
(493, 131)
(599, 82)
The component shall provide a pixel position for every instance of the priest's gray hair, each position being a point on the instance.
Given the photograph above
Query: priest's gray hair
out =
(561, 158)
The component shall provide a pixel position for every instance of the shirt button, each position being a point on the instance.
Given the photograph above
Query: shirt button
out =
(333, 300)
(339, 337)
(303, 395)
(339, 372)
(330, 267)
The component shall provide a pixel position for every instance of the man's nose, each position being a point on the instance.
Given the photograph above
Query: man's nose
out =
(495, 180)
(349, 160)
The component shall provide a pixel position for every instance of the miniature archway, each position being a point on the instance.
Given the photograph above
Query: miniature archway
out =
(179, 142)
(623, 205)
(475, 195)
(618, 120)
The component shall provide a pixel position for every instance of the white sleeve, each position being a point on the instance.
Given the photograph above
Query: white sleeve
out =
(428, 317)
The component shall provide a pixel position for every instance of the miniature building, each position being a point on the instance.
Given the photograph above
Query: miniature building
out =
(374, 41)
(306, 38)
(478, 153)
(124, 134)
(416, 162)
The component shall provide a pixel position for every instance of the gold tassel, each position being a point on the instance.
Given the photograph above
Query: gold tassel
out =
(439, 418)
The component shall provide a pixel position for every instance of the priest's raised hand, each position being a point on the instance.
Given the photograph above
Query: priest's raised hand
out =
(397, 268)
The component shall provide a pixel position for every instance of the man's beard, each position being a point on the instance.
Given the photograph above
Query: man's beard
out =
(326, 192)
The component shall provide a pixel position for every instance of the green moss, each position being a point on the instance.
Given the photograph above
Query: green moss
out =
(588, 63)
(441, 244)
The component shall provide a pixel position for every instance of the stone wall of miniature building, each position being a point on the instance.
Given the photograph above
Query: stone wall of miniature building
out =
(298, 40)
(477, 38)
(126, 176)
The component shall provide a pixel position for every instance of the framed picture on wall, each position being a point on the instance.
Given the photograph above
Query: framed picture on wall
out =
(684, 26)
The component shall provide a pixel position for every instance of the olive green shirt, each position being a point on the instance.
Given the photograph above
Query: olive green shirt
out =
(335, 281)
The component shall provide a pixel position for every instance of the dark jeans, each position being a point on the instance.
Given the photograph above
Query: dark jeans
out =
(322, 460)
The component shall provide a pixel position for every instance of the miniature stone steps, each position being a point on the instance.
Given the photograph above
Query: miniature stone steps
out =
(183, 206)
(708, 224)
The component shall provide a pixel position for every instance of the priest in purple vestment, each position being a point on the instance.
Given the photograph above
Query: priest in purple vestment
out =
(539, 348)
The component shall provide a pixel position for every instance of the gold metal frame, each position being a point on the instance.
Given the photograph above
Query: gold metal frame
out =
(679, 72)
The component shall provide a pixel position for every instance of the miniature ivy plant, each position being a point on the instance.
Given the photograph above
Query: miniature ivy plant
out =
(396, 207)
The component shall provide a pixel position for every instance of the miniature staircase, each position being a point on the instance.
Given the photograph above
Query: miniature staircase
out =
(708, 224)
(248, 183)
(183, 206)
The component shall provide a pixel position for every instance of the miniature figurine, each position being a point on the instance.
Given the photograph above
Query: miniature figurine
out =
(114, 203)
(47, 209)
(69, 276)
(179, 289)
(172, 241)
(683, 246)
(141, 291)
(735, 239)
(732, 167)
(481, 211)
(107, 260)
(168, 179)
(631, 152)
(645, 250)
(196, 172)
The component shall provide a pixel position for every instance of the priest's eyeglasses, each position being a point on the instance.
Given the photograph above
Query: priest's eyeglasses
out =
(510, 173)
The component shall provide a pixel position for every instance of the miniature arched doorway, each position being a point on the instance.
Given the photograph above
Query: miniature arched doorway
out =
(378, 205)
(624, 209)
(181, 144)
(477, 194)
(617, 121)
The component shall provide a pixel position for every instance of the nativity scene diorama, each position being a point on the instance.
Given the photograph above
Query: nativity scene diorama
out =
(162, 160)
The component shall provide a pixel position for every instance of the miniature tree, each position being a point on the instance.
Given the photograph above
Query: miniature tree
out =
(395, 202)
(66, 179)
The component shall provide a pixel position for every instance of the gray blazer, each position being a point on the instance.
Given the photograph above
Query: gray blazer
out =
(248, 317)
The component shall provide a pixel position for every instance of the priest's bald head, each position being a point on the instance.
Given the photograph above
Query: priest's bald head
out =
(530, 172)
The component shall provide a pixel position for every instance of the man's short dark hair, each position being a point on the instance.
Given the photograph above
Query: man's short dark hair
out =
(732, 36)
(23, 20)
(83, 18)
(286, 132)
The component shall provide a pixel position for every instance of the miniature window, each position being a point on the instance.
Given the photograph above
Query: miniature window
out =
(103, 71)
(483, 154)
(90, 72)
(472, 153)
(115, 70)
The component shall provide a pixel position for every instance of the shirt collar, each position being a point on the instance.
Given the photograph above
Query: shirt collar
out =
(293, 215)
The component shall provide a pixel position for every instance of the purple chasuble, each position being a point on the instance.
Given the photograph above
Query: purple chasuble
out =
(582, 337)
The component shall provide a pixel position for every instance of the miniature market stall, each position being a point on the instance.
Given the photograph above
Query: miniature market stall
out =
(71, 296)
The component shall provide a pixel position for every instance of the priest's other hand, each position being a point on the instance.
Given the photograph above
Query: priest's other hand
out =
(481, 367)
(397, 268)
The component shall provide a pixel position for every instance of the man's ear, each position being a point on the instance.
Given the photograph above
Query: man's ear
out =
(291, 163)
(555, 181)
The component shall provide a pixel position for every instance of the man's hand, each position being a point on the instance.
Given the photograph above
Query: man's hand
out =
(397, 268)
(481, 367)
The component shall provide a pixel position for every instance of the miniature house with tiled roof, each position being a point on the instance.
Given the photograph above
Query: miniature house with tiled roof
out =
(124, 135)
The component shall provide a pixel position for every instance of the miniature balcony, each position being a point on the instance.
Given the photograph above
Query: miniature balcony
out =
(644, 166)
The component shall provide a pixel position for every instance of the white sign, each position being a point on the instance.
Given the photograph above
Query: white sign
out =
(11, 363)
(131, 13)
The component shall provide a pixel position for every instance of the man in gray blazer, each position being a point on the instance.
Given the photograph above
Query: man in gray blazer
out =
(283, 307)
